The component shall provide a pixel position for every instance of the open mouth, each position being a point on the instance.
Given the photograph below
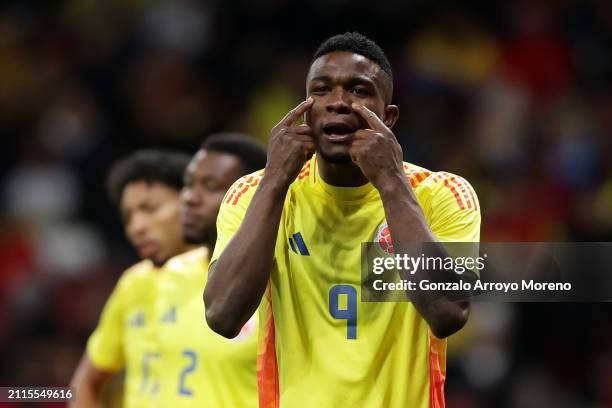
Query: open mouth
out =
(338, 132)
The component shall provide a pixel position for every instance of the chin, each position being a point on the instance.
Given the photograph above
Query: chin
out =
(338, 158)
(192, 238)
(334, 153)
(158, 262)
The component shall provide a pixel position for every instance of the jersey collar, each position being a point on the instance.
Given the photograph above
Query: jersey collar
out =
(340, 193)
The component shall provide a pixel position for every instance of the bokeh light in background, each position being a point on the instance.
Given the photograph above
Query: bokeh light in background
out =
(514, 96)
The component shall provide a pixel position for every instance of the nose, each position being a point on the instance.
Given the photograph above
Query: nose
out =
(339, 101)
(137, 226)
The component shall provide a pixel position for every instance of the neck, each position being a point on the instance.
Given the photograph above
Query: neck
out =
(211, 239)
(341, 175)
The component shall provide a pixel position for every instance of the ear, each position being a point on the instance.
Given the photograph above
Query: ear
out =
(391, 115)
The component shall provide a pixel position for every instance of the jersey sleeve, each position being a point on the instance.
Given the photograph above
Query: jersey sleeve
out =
(105, 345)
(452, 209)
(232, 211)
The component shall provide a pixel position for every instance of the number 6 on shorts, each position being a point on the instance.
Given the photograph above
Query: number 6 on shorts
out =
(350, 313)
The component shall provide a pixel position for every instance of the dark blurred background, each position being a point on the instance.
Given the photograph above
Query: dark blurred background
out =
(516, 96)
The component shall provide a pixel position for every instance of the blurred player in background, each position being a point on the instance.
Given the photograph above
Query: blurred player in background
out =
(146, 188)
(293, 235)
(170, 355)
(199, 368)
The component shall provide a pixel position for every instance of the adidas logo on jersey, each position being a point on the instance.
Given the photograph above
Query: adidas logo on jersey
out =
(297, 244)
(169, 316)
(137, 320)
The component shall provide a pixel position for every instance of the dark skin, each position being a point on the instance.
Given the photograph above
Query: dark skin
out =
(207, 177)
(348, 122)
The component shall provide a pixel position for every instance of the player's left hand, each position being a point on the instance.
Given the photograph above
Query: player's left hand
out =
(376, 150)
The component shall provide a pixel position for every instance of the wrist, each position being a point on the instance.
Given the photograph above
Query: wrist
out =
(399, 190)
(275, 185)
(391, 185)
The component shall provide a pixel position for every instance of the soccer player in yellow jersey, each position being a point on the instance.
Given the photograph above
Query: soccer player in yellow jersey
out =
(199, 368)
(152, 324)
(146, 187)
(289, 237)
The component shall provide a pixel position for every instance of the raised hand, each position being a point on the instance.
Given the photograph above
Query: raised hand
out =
(290, 145)
(376, 150)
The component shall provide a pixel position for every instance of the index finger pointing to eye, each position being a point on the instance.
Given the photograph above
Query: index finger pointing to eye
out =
(370, 117)
(295, 113)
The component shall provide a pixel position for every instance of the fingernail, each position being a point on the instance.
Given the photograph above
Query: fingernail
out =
(310, 99)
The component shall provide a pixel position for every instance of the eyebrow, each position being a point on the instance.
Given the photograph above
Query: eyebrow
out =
(359, 79)
(353, 80)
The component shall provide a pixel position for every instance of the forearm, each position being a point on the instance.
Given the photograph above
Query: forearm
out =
(88, 383)
(238, 279)
(86, 397)
(404, 214)
(408, 225)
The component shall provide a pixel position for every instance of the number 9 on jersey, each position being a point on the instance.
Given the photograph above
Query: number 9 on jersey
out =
(348, 313)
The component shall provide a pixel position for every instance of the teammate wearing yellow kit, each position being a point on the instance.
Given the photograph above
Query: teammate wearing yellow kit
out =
(152, 325)
(292, 235)
(199, 368)
(146, 187)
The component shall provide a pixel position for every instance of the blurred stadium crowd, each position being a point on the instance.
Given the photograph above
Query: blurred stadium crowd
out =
(514, 96)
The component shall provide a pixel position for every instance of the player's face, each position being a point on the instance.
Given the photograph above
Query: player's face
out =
(208, 176)
(335, 81)
(150, 214)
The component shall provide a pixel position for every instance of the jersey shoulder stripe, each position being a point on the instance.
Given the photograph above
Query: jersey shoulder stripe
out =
(242, 186)
(304, 171)
(309, 168)
(415, 174)
(458, 186)
(461, 189)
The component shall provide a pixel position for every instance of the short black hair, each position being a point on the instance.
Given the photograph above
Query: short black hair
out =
(356, 43)
(251, 153)
(149, 165)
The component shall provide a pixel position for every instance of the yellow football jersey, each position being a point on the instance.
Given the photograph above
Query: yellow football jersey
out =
(125, 336)
(200, 368)
(320, 346)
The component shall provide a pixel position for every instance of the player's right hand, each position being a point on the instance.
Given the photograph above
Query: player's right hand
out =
(290, 145)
